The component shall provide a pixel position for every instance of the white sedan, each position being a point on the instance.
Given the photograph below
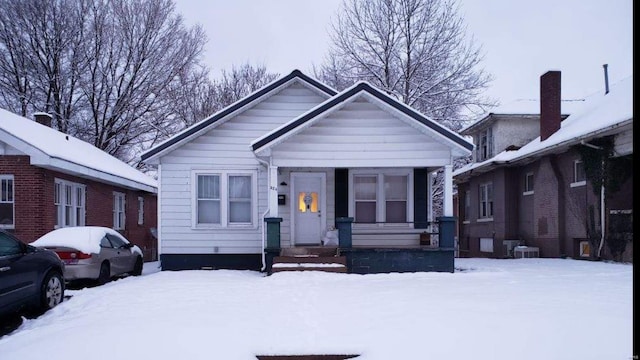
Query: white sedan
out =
(93, 252)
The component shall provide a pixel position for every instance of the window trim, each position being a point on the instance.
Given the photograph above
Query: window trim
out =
(577, 182)
(12, 202)
(486, 145)
(528, 184)
(380, 198)
(489, 214)
(467, 207)
(224, 175)
(74, 203)
(121, 225)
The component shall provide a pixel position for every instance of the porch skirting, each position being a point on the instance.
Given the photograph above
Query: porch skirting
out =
(211, 261)
(387, 260)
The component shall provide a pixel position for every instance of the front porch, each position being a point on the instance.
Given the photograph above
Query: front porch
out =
(436, 256)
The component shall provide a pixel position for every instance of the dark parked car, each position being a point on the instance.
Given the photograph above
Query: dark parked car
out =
(30, 278)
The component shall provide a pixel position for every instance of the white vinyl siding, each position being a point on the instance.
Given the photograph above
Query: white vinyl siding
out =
(7, 202)
(226, 145)
(361, 134)
(119, 215)
(70, 203)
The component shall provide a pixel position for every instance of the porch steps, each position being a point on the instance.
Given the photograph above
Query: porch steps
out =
(309, 259)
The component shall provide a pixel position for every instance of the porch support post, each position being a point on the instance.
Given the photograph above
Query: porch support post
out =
(273, 192)
(344, 231)
(273, 232)
(447, 201)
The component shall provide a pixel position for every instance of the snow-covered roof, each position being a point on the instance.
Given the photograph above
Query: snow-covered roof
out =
(52, 149)
(598, 114)
(523, 107)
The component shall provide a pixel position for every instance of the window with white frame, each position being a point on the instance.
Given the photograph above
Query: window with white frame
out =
(528, 184)
(69, 199)
(486, 201)
(7, 202)
(484, 140)
(225, 198)
(381, 196)
(140, 210)
(119, 216)
(579, 176)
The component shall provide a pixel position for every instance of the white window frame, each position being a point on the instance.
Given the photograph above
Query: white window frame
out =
(380, 196)
(483, 191)
(528, 184)
(140, 210)
(485, 145)
(119, 223)
(4, 179)
(577, 182)
(224, 198)
(78, 203)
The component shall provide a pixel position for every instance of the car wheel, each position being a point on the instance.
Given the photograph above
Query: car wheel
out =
(105, 273)
(137, 268)
(52, 291)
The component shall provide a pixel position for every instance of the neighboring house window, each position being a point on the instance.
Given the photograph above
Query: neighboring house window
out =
(485, 145)
(140, 210)
(486, 201)
(7, 202)
(528, 184)
(467, 205)
(381, 197)
(579, 176)
(69, 199)
(225, 199)
(118, 210)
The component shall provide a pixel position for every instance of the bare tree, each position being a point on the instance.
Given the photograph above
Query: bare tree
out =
(415, 50)
(239, 82)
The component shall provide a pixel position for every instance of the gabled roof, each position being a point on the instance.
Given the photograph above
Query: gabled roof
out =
(52, 149)
(600, 115)
(297, 124)
(202, 125)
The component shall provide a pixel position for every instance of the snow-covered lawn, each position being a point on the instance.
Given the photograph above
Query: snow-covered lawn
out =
(491, 309)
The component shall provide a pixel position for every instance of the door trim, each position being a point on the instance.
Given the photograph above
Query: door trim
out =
(322, 197)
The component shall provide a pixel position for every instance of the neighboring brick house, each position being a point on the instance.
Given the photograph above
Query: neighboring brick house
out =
(527, 185)
(49, 180)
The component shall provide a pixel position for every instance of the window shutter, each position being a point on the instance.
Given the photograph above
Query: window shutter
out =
(420, 198)
(342, 192)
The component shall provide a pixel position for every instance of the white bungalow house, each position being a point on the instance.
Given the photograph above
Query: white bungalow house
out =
(302, 159)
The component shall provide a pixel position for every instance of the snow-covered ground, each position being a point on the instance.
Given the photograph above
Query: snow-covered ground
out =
(488, 309)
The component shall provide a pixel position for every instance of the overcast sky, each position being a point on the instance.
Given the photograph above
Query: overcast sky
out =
(521, 39)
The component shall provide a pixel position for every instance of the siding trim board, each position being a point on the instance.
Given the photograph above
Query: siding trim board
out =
(204, 124)
(348, 95)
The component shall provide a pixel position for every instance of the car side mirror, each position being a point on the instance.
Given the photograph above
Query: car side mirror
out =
(29, 248)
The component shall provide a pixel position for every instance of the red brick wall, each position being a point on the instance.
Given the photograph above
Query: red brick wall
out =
(35, 210)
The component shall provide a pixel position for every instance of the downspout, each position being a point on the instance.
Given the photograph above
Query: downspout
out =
(263, 255)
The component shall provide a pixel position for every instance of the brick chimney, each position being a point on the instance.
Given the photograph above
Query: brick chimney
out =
(550, 112)
(43, 118)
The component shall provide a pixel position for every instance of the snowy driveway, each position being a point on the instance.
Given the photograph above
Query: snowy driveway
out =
(494, 309)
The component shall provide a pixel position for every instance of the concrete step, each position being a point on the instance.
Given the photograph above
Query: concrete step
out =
(310, 263)
(311, 259)
(310, 250)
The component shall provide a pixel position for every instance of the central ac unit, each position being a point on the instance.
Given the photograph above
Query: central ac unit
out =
(508, 247)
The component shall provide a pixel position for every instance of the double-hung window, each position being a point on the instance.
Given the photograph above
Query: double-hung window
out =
(140, 210)
(7, 202)
(484, 150)
(486, 201)
(224, 198)
(467, 205)
(381, 196)
(69, 199)
(119, 215)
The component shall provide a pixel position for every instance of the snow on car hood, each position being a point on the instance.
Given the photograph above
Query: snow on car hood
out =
(84, 238)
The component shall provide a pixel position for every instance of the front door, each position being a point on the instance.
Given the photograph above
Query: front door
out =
(308, 207)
